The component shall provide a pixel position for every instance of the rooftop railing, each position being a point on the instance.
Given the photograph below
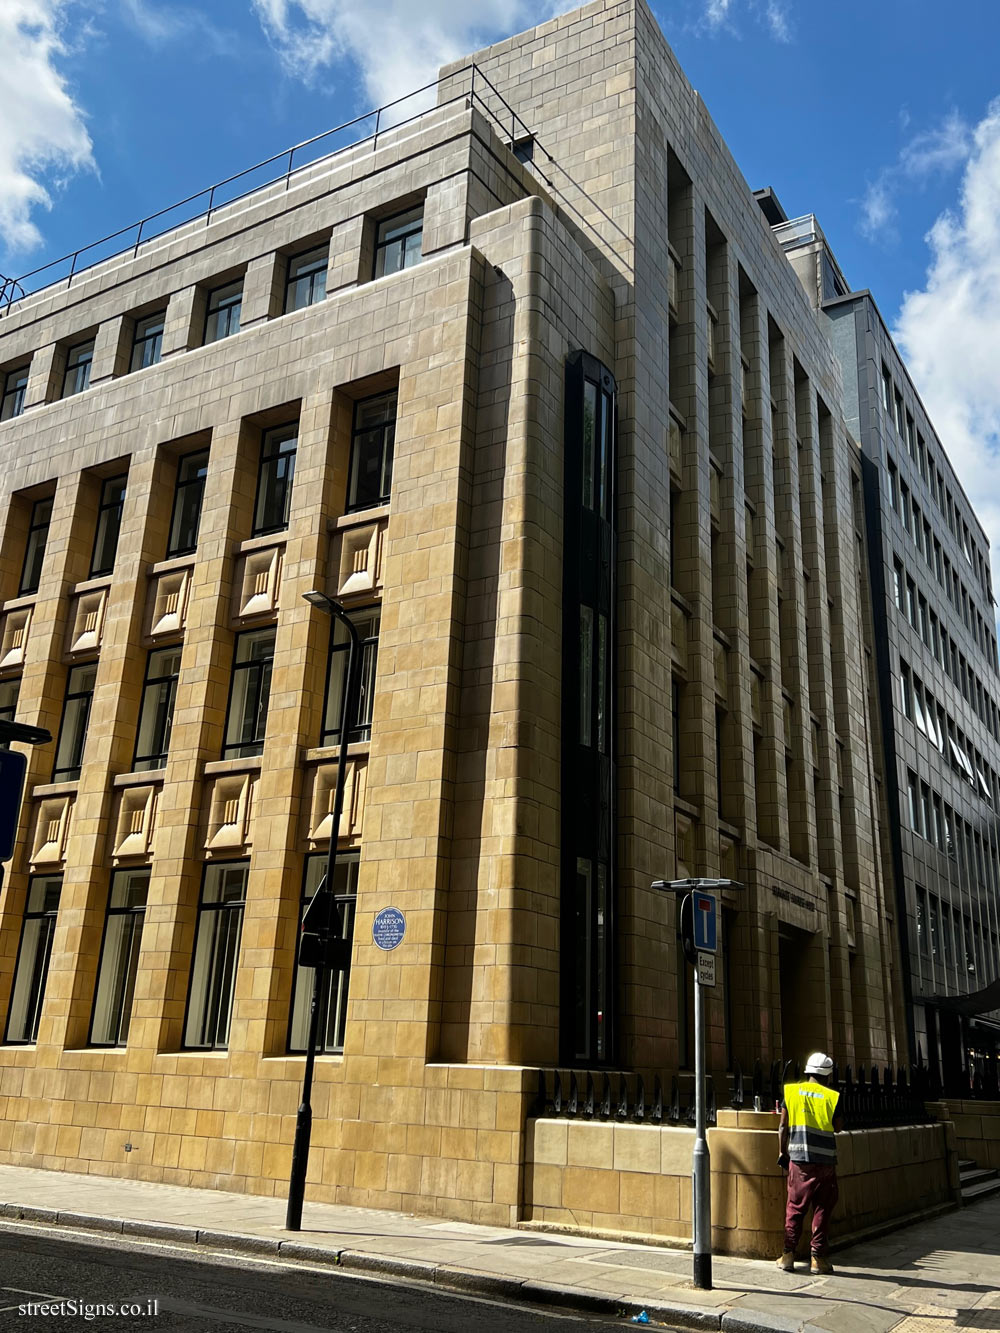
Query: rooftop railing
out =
(798, 231)
(473, 86)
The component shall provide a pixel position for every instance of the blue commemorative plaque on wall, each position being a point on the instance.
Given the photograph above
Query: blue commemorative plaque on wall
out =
(388, 928)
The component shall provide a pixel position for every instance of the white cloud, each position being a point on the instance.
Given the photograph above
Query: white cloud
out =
(160, 24)
(721, 15)
(927, 154)
(950, 330)
(42, 131)
(396, 45)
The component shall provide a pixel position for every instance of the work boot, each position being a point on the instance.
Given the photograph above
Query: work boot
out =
(821, 1264)
(787, 1261)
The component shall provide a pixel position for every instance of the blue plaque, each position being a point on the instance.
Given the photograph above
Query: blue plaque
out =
(388, 928)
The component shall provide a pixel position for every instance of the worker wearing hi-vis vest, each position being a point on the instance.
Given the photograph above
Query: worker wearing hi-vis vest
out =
(808, 1152)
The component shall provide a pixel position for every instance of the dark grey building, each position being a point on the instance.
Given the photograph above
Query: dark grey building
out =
(935, 667)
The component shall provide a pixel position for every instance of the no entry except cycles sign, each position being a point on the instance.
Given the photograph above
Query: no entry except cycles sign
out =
(388, 928)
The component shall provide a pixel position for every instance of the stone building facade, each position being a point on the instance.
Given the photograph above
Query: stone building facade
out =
(529, 384)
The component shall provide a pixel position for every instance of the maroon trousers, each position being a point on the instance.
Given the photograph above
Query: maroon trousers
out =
(810, 1186)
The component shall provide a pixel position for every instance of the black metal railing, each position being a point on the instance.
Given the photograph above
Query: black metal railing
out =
(472, 85)
(869, 1099)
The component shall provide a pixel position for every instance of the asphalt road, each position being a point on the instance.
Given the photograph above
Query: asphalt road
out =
(223, 1294)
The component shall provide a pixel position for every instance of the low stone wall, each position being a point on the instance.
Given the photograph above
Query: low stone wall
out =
(977, 1128)
(592, 1176)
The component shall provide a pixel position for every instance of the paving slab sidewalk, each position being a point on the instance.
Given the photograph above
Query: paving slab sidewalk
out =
(932, 1277)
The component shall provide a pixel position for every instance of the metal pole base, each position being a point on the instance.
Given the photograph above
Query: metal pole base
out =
(300, 1163)
(703, 1272)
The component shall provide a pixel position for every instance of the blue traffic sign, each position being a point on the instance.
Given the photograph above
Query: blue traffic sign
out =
(13, 766)
(388, 928)
(705, 922)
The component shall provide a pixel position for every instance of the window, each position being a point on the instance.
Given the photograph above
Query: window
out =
(372, 441)
(333, 996)
(251, 687)
(922, 948)
(911, 801)
(223, 313)
(156, 715)
(34, 551)
(306, 282)
(14, 386)
(33, 955)
(274, 479)
(886, 389)
(216, 951)
(119, 957)
(9, 690)
(147, 341)
(397, 241)
(189, 492)
(76, 377)
(109, 522)
(76, 714)
(360, 726)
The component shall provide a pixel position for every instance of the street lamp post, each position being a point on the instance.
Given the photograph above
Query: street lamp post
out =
(303, 1118)
(701, 1171)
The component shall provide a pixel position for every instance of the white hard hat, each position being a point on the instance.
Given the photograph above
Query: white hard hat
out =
(818, 1063)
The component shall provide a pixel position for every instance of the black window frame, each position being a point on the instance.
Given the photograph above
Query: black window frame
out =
(220, 911)
(39, 963)
(259, 690)
(85, 362)
(142, 338)
(182, 487)
(384, 243)
(33, 544)
(314, 276)
(588, 985)
(134, 917)
(12, 400)
(109, 518)
(71, 772)
(386, 429)
(334, 992)
(360, 721)
(223, 307)
(275, 477)
(144, 763)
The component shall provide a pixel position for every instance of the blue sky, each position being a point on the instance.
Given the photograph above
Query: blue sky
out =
(879, 117)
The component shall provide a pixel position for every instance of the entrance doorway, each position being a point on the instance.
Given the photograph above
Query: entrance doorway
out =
(800, 1034)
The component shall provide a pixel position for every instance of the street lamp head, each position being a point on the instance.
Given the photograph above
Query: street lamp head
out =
(316, 598)
(690, 885)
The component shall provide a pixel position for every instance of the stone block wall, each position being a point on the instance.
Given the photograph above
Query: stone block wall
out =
(636, 1179)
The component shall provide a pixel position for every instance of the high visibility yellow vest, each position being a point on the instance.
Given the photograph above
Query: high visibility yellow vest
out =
(811, 1108)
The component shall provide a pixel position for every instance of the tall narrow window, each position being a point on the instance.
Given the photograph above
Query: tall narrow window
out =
(109, 525)
(76, 377)
(360, 726)
(33, 955)
(249, 693)
(15, 385)
(372, 441)
(156, 715)
(189, 492)
(306, 278)
(9, 690)
(222, 315)
(274, 479)
(588, 885)
(147, 343)
(216, 953)
(73, 729)
(119, 957)
(333, 996)
(397, 241)
(34, 551)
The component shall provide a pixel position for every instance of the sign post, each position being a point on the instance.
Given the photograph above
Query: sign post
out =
(699, 938)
